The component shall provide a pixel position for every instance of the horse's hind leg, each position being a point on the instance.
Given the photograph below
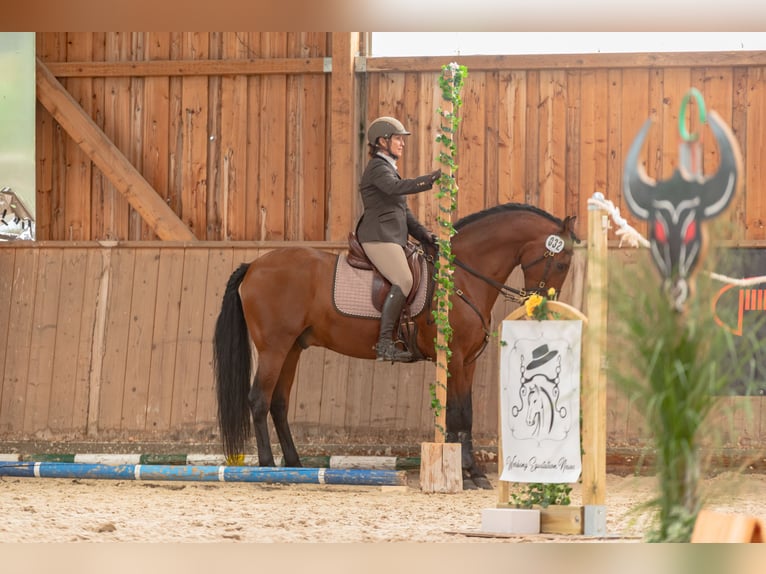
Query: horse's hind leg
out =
(279, 406)
(260, 398)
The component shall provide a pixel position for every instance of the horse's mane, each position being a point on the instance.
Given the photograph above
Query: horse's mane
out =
(468, 219)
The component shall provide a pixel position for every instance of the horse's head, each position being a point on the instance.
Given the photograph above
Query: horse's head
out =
(675, 208)
(546, 260)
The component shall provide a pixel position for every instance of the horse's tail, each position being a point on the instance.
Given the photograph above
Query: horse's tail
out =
(232, 363)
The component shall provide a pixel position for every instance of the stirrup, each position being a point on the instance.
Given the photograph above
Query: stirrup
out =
(389, 352)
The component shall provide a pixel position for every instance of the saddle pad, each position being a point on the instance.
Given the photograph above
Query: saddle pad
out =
(352, 291)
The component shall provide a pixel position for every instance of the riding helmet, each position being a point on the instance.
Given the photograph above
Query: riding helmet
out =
(385, 127)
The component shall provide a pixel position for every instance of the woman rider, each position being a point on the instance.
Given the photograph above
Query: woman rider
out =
(386, 221)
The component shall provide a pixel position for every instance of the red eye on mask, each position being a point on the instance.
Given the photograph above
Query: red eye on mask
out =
(691, 232)
(659, 232)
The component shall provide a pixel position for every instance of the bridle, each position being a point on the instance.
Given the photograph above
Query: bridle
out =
(508, 293)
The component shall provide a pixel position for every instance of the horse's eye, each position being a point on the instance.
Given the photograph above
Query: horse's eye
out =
(562, 266)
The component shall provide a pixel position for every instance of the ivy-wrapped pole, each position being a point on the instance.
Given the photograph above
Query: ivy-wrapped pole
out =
(451, 83)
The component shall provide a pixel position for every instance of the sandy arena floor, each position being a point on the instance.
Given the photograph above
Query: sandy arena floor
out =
(96, 510)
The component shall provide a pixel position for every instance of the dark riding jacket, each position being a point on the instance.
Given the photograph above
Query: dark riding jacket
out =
(386, 217)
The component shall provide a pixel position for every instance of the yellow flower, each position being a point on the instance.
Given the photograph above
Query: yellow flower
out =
(552, 293)
(531, 303)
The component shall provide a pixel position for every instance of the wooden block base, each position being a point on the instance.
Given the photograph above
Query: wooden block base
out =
(440, 467)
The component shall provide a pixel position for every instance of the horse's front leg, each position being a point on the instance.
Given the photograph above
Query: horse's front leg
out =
(459, 419)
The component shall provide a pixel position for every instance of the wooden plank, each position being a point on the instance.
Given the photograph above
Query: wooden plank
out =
(7, 258)
(13, 401)
(635, 111)
(188, 67)
(532, 139)
(254, 117)
(385, 387)
(42, 345)
(552, 122)
(50, 161)
(78, 166)
(88, 362)
(116, 126)
(233, 141)
(492, 131)
(334, 392)
(194, 119)
(271, 172)
(135, 130)
(218, 271)
(73, 311)
(737, 211)
(575, 197)
(359, 397)
(214, 206)
(756, 154)
(511, 131)
(293, 158)
(164, 341)
(116, 340)
(592, 142)
(99, 183)
(108, 158)
(342, 104)
(471, 147)
(139, 345)
(307, 392)
(314, 148)
(156, 126)
(411, 392)
(189, 339)
(675, 84)
(613, 117)
(533, 62)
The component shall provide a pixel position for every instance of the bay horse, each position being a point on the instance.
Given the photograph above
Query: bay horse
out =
(283, 303)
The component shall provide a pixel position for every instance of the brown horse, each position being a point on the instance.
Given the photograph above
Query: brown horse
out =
(284, 301)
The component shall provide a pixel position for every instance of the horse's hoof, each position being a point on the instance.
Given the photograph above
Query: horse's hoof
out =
(469, 484)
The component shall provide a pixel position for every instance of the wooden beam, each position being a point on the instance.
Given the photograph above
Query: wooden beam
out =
(593, 407)
(189, 68)
(114, 165)
(564, 61)
(343, 122)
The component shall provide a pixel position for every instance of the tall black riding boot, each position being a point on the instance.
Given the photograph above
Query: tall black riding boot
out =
(392, 308)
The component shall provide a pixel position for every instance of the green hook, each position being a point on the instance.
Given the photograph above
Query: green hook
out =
(694, 92)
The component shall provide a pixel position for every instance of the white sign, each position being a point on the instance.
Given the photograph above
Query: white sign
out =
(540, 401)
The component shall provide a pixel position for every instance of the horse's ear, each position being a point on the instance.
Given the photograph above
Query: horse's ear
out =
(568, 227)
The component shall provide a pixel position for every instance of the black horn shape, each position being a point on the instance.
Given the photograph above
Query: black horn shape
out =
(638, 187)
(717, 191)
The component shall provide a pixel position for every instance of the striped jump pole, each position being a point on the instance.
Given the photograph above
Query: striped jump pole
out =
(195, 473)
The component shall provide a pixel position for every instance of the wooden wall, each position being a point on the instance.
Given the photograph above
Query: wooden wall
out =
(256, 139)
(112, 341)
(238, 132)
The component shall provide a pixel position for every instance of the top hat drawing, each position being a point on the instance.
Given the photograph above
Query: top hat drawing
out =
(540, 356)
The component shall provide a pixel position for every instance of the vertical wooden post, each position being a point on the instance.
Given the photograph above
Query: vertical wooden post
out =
(594, 383)
(444, 213)
(343, 122)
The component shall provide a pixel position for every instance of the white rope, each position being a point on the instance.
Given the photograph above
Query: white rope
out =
(625, 231)
(628, 233)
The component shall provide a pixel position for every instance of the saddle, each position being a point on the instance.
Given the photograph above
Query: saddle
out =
(356, 257)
